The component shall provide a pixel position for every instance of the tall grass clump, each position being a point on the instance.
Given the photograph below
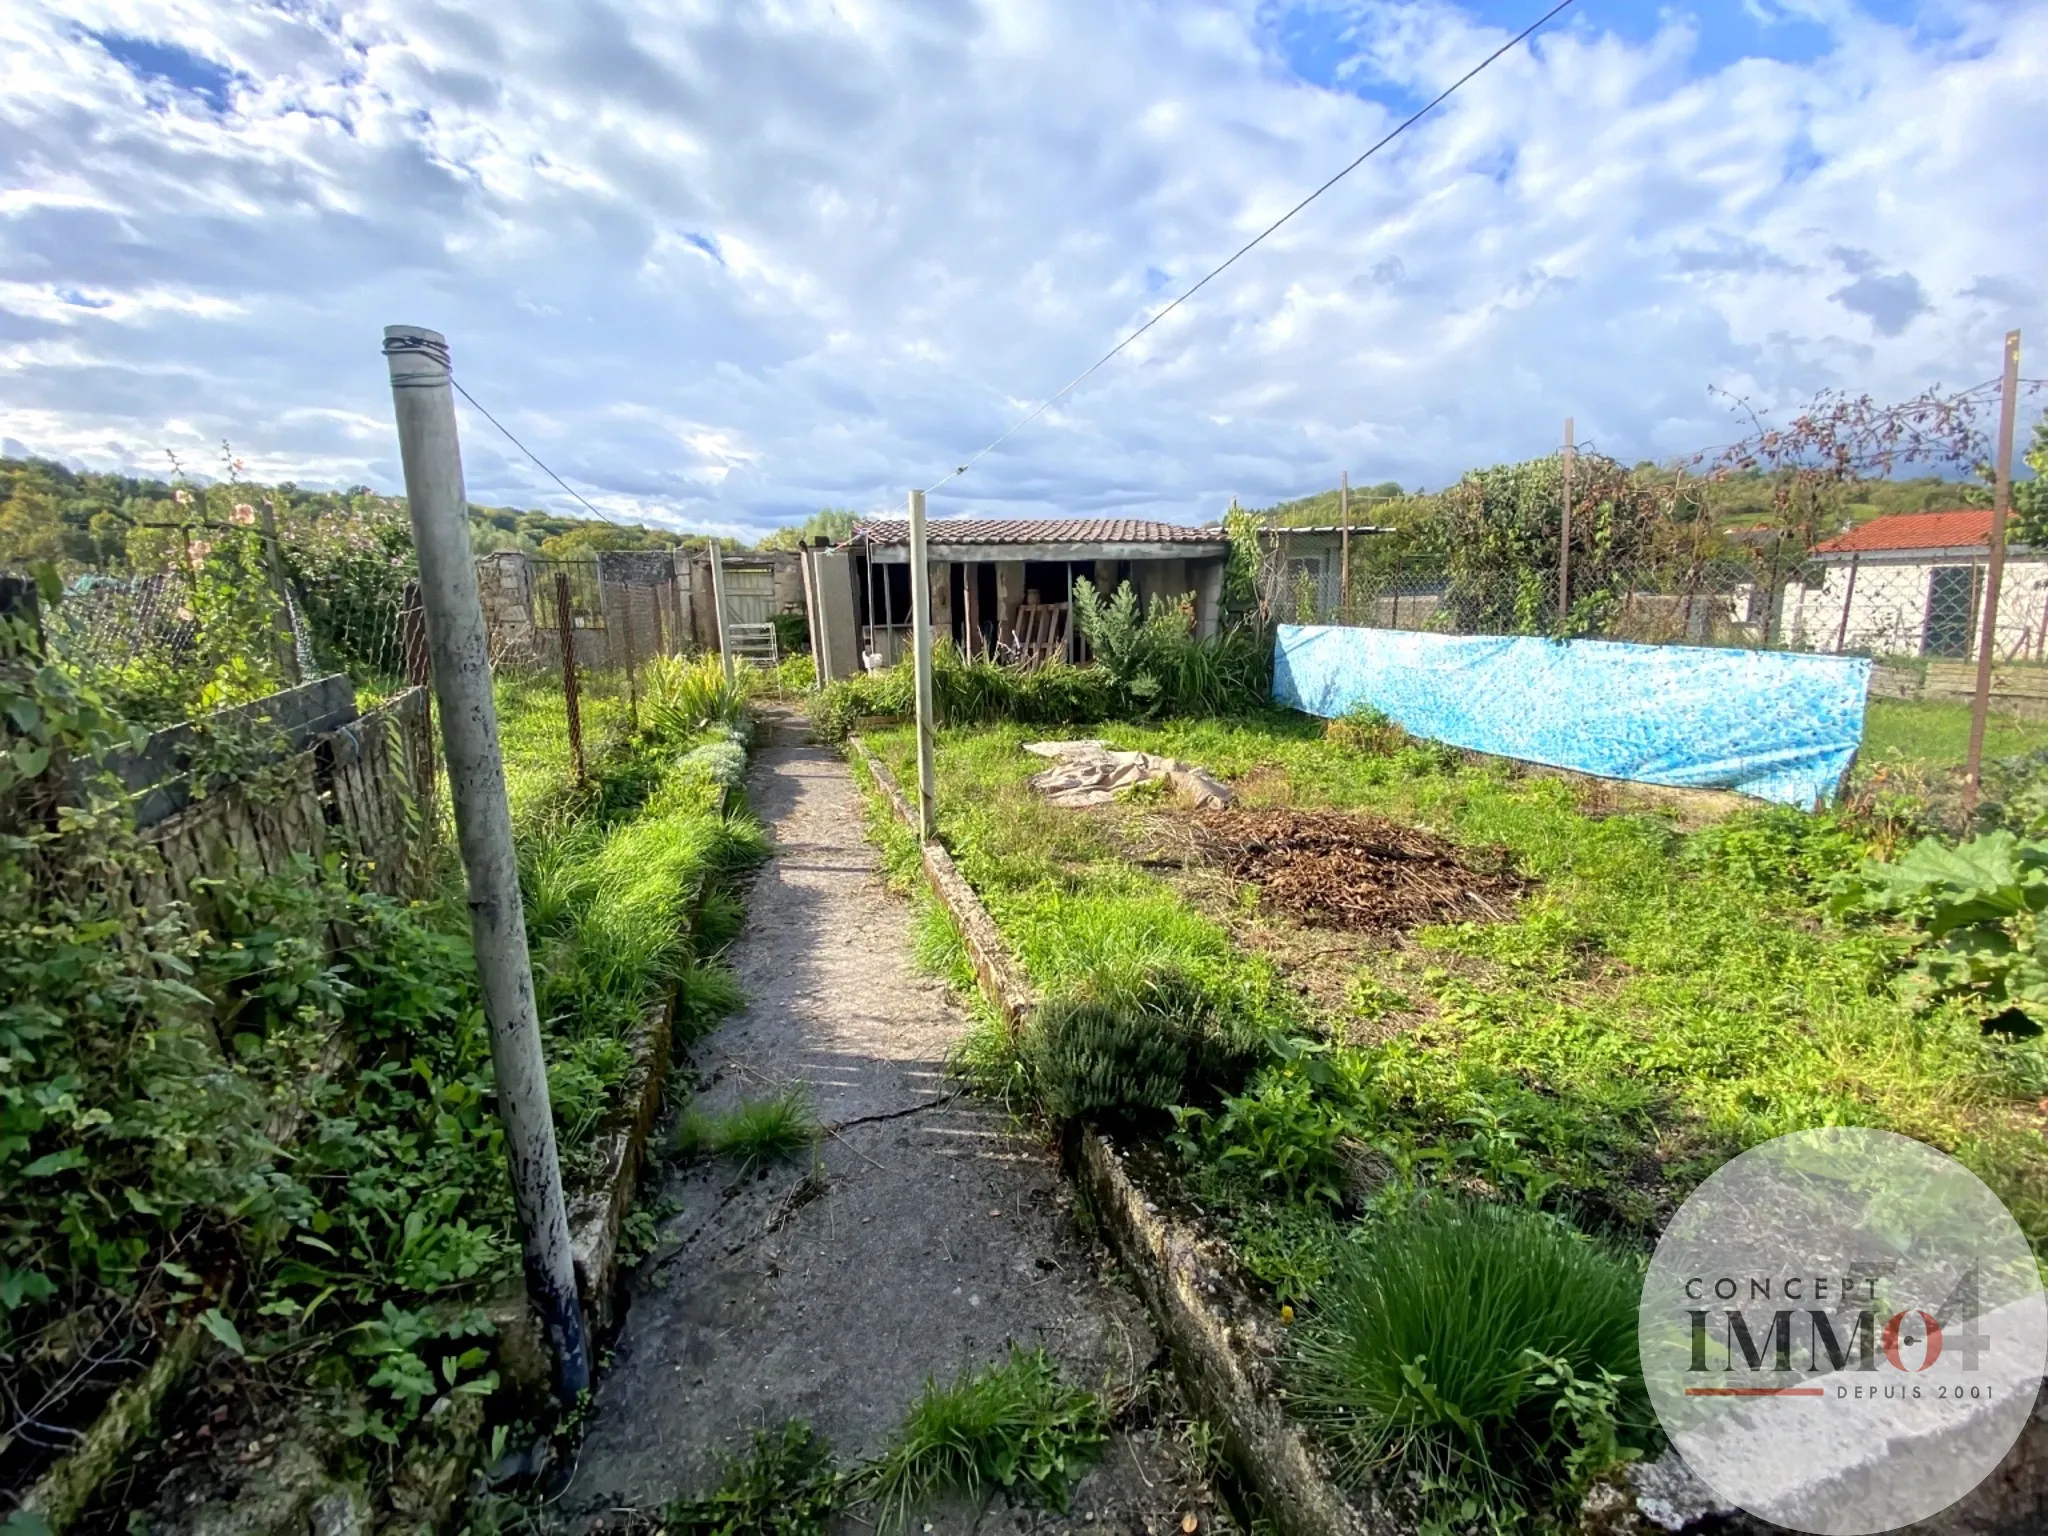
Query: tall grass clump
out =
(608, 915)
(683, 697)
(1015, 1426)
(753, 1133)
(1135, 1046)
(1482, 1351)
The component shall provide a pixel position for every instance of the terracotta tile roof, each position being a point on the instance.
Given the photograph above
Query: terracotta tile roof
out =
(1965, 529)
(1044, 530)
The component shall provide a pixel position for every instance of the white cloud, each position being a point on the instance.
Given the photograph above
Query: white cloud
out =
(725, 262)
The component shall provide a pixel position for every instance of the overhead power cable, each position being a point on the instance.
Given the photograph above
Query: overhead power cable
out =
(1402, 127)
(565, 485)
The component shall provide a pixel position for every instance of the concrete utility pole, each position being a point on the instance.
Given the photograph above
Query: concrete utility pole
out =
(1564, 541)
(1344, 550)
(2001, 504)
(718, 606)
(427, 445)
(921, 648)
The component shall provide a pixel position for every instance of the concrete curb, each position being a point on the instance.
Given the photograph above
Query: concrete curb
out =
(1223, 1347)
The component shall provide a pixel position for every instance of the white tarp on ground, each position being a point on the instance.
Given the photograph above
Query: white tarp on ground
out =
(1088, 773)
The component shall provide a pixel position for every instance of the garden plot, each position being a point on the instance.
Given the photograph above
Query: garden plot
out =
(1363, 873)
(1648, 999)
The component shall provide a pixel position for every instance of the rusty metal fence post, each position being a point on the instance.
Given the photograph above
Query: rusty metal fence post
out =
(565, 624)
(626, 639)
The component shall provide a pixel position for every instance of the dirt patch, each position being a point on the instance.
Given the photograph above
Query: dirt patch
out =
(1358, 873)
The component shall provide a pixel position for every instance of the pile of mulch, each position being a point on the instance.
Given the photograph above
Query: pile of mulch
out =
(1329, 870)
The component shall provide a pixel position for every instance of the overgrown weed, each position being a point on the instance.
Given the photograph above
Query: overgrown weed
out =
(754, 1133)
(1014, 1426)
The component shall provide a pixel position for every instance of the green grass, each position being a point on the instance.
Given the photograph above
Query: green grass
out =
(787, 1485)
(1447, 1344)
(608, 873)
(1661, 1000)
(1936, 733)
(1015, 1427)
(754, 1133)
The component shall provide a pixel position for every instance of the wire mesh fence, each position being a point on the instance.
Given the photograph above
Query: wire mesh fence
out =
(1917, 614)
(570, 641)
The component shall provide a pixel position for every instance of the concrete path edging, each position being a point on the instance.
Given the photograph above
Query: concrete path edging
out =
(1222, 1348)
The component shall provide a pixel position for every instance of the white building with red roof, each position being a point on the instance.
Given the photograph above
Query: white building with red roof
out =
(1912, 584)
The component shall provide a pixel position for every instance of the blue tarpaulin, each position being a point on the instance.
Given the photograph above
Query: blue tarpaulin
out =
(1781, 725)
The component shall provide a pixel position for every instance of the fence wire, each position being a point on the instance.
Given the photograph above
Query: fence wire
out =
(570, 642)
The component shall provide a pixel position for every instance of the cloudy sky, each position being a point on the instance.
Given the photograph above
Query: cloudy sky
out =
(722, 262)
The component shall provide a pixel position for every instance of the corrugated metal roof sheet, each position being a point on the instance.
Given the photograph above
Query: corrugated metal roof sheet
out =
(1039, 530)
(1963, 529)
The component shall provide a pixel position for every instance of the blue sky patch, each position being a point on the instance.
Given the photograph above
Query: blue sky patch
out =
(169, 64)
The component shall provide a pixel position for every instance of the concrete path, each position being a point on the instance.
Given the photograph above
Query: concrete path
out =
(925, 1236)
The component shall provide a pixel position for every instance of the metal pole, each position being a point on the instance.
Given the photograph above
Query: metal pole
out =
(1980, 704)
(565, 625)
(427, 444)
(1344, 551)
(626, 634)
(1564, 540)
(718, 606)
(1848, 598)
(921, 648)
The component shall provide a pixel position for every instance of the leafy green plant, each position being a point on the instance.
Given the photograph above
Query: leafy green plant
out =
(1015, 1427)
(786, 1486)
(1138, 647)
(1483, 1349)
(681, 697)
(1979, 906)
(1366, 729)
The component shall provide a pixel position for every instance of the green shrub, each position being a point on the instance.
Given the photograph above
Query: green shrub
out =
(683, 697)
(1366, 729)
(1156, 665)
(1134, 1046)
(1015, 1426)
(1226, 674)
(1482, 1349)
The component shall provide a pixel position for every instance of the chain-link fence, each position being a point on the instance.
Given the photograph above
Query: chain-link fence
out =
(571, 642)
(1917, 613)
(232, 621)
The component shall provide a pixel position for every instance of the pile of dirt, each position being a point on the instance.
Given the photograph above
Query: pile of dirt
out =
(1361, 873)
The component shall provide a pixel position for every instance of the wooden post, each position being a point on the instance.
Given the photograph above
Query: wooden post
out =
(1394, 621)
(273, 565)
(1564, 537)
(970, 604)
(565, 626)
(626, 635)
(1344, 548)
(2001, 504)
(718, 606)
(1848, 597)
(660, 591)
(921, 649)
